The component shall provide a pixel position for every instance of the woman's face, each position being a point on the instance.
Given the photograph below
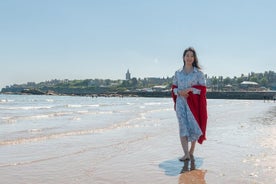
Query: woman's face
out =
(189, 58)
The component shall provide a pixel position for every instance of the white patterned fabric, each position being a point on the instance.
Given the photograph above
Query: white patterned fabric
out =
(188, 126)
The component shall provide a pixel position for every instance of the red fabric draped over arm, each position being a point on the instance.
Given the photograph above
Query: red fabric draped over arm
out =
(173, 95)
(198, 106)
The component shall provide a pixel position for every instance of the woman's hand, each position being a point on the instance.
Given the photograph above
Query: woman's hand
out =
(185, 93)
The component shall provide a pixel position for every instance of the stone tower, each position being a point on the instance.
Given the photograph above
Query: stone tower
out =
(127, 75)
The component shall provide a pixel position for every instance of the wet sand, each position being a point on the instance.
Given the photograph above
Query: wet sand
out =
(240, 148)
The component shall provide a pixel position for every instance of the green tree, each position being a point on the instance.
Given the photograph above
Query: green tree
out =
(227, 80)
(134, 82)
(264, 82)
(254, 79)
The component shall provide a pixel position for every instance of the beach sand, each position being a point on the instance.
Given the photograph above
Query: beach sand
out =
(240, 148)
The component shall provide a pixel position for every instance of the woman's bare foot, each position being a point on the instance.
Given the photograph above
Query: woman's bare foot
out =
(185, 157)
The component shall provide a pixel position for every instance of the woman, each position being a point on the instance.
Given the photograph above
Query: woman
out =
(189, 93)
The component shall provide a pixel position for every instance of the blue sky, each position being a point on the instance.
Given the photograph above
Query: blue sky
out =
(86, 39)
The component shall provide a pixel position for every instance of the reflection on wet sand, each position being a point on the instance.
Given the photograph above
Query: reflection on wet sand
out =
(191, 175)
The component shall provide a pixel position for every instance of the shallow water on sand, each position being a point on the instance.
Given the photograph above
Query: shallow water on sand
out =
(55, 139)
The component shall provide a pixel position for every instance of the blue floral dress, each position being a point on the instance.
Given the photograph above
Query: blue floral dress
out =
(188, 126)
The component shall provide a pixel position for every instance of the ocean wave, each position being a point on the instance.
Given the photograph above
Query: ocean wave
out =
(3, 100)
(134, 122)
(55, 136)
(14, 119)
(6, 100)
(80, 105)
(49, 100)
(153, 103)
(26, 108)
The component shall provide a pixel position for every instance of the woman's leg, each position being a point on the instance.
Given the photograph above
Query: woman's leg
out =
(185, 147)
(192, 149)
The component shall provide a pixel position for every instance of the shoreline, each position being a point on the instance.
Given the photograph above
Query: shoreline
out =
(243, 95)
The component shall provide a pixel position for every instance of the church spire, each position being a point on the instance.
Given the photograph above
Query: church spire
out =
(127, 75)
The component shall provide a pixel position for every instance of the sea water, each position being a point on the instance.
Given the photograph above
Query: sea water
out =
(38, 119)
(73, 139)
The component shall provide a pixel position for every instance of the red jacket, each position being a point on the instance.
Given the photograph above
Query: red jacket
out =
(198, 106)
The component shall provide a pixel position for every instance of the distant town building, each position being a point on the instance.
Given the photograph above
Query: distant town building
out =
(159, 88)
(249, 85)
(128, 75)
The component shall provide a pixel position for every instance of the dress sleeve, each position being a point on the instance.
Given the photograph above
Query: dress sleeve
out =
(196, 91)
(201, 79)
